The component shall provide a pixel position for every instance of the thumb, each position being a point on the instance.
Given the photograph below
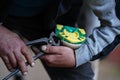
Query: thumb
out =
(51, 49)
(44, 48)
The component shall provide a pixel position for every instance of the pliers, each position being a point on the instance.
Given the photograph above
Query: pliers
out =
(52, 40)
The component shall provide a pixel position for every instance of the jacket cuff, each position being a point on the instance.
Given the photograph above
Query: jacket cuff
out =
(82, 55)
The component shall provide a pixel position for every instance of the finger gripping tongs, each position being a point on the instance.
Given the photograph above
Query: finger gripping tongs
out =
(52, 40)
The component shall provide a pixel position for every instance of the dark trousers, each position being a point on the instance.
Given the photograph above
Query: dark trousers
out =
(33, 28)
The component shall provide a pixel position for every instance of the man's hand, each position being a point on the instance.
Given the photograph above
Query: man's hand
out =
(13, 51)
(58, 56)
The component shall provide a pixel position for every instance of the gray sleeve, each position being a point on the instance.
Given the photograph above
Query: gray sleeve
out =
(102, 37)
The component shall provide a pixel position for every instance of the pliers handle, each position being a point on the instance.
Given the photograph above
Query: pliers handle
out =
(52, 40)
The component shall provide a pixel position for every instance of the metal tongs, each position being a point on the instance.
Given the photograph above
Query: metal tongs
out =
(52, 40)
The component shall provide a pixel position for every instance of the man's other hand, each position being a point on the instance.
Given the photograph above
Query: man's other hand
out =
(13, 51)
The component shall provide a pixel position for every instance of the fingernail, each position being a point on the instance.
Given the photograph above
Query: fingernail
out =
(33, 64)
(25, 73)
(44, 47)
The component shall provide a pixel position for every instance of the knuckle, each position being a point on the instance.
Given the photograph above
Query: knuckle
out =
(50, 49)
(16, 49)
(7, 52)
(49, 59)
(20, 59)
(25, 51)
(14, 64)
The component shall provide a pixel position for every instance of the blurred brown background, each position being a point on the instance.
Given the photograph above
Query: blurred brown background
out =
(109, 68)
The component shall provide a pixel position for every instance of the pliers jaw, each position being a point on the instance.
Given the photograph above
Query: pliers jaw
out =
(52, 40)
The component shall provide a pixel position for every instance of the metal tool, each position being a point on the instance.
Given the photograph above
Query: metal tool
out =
(52, 40)
(65, 35)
